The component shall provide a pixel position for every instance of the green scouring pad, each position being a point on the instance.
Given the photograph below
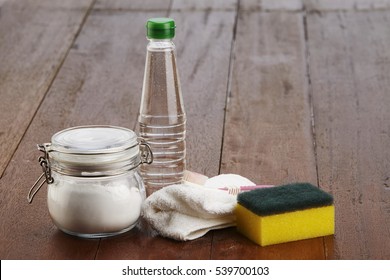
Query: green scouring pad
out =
(285, 213)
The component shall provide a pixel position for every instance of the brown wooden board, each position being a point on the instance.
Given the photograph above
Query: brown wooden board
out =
(271, 5)
(268, 135)
(145, 244)
(34, 40)
(345, 5)
(98, 84)
(286, 91)
(349, 59)
(159, 8)
(203, 43)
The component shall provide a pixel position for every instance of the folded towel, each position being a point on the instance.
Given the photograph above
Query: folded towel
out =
(186, 212)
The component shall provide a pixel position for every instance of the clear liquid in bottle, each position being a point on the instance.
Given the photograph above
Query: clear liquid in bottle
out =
(162, 119)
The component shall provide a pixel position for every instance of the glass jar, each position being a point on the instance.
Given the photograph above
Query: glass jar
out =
(94, 187)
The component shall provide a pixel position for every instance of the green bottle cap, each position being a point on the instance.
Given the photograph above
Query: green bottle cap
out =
(160, 28)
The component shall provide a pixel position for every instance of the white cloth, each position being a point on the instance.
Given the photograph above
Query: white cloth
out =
(186, 212)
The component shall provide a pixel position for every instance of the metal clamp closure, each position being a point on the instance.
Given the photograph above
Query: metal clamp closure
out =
(146, 151)
(146, 156)
(46, 175)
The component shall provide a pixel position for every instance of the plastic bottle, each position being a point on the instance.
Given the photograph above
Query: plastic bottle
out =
(162, 119)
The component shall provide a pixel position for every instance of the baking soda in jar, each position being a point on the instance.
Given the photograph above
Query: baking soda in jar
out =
(94, 186)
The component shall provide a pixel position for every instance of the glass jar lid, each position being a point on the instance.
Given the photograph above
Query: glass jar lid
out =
(93, 140)
(90, 151)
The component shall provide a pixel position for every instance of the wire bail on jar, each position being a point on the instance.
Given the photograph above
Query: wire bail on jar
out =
(145, 156)
(46, 174)
(146, 151)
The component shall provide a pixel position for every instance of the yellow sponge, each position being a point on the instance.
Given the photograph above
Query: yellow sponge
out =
(285, 213)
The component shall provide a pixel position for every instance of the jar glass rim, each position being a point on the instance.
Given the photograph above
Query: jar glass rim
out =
(95, 150)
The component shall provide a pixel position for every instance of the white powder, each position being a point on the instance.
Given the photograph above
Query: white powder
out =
(81, 206)
(228, 180)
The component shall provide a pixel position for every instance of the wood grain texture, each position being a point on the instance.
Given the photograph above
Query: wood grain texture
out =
(158, 7)
(268, 127)
(207, 5)
(271, 5)
(203, 49)
(304, 85)
(269, 95)
(143, 243)
(90, 90)
(34, 40)
(350, 68)
(346, 5)
(231, 245)
(97, 84)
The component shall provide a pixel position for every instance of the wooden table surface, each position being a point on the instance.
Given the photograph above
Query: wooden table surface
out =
(276, 91)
